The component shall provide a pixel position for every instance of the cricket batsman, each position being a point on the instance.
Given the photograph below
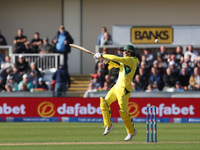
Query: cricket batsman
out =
(121, 91)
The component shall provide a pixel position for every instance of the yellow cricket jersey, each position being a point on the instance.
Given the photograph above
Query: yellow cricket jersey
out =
(127, 67)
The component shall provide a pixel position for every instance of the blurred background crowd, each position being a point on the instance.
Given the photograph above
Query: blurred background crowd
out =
(157, 71)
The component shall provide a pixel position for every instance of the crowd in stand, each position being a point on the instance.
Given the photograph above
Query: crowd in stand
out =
(20, 76)
(160, 71)
(24, 75)
(156, 72)
(165, 72)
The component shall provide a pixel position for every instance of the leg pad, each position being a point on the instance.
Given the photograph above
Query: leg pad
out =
(127, 121)
(106, 112)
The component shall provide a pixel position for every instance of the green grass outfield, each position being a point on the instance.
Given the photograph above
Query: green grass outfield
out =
(88, 136)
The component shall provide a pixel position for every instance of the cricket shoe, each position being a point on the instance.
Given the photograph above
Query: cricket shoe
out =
(130, 136)
(107, 130)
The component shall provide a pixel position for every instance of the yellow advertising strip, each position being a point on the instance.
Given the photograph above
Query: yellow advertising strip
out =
(147, 35)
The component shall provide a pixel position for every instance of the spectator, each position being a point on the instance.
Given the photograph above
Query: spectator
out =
(8, 88)
(22, 65)
(149, 56)
(45, 47)
(2, 84)
(105, 87)
(42, 84)
(105, 40)
(108, 80)
(25, 85)
(161, 62)
(12, 83)
(173, 58)
(179, 54)
(91, 87)
(164, 55)
(159, 70)
(173, 67)
(151, 89)
(145, 69)
(137, 82)
(113, 73)
(194, 54)
(62, 79)
(33, 68)
(148, 65)
(143, 79)
(135, 87)
(19, 41)
(198, 64)
(184, 78)
(7, 63)
(189, 70)
(95, 83)
(119, 53)
(101, 65)
(4, 74)
(26, 48)
(190, 63)
(32, 77)
(2, 40)
(103, 31)
(36, 42)
(156, 80)
(17, 77)
(61, 42)
(1, 59)
(101, 77)
(194, 80)
(169, 79)
(23, 88)
(178, 87)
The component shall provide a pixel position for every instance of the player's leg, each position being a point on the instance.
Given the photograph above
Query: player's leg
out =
(106, 111)
(123, 98)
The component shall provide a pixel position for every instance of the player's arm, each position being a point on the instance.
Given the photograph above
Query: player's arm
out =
(114, 64)
(124, 60)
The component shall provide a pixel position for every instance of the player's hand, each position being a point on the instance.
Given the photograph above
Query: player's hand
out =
(98, 56)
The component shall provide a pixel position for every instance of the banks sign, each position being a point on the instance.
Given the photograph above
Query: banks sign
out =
(147, 35)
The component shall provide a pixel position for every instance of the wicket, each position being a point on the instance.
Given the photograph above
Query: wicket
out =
(151, 111)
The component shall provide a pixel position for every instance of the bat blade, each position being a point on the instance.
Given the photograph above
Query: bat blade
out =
(81, 48)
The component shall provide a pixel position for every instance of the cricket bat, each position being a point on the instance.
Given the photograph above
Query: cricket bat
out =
(81, 48)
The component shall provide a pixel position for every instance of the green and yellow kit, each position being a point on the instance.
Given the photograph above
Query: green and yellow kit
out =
(121, 91)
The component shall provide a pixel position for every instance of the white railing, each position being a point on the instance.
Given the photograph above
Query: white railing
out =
(43, 61)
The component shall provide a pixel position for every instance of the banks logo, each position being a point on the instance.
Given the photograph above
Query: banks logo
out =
(147, 35)
(133, 109)
(46, 109)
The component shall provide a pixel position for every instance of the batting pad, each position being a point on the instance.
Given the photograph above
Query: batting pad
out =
(127, 121)
(106, 112)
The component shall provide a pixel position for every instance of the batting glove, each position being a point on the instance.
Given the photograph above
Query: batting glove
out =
(105, 61)
(98, 56)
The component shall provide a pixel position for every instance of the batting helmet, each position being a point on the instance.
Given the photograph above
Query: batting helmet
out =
(129, 48)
